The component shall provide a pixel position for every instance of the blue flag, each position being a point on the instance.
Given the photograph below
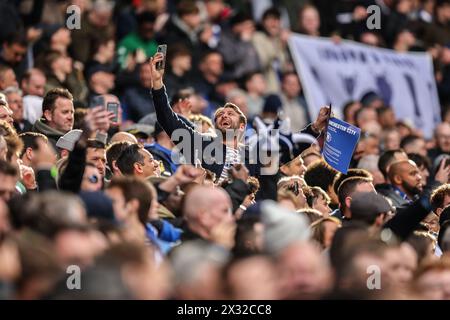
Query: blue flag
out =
(340, 143)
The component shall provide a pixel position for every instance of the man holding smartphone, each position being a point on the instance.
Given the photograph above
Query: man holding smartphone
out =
(228, 118)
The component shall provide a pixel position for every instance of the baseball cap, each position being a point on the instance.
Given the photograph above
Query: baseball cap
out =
(366, 206)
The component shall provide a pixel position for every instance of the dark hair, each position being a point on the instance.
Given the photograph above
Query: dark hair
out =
(186, 7)
(136, 188)
(353, 172)
(386, 159)
(346, 107)
(18, 37)
(420, 160)
(30, 140)
(78, 118)
(8, 169)
(129, 156)
(383, 109)
(50, 98)
(408, 140)
(271, 12)
(438, 195)
(177, 50)
(442, 230)
(245, 231)
(114, 150)
(287, 74)
(145, 17)
(348, 186)
(320, 174)
(95, 144)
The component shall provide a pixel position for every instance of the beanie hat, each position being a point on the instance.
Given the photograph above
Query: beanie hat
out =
(69, 140)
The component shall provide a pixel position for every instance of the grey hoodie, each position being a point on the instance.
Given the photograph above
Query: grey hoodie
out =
(52, 134)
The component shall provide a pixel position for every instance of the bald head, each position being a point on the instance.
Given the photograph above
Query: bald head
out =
(406, 176)
(399, 166)
(205, 208)
(123, 136)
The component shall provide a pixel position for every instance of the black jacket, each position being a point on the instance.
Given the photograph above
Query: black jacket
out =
(408, 217)
(210, 150)
(388, 191)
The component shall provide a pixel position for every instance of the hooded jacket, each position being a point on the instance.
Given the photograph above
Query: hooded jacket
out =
(52, 134)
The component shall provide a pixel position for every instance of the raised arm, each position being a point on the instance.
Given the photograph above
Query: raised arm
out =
(169, 120)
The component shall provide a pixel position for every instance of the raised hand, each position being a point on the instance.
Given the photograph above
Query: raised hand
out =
(443, 172)
(99, 119)
(321, 120)
(157, 75)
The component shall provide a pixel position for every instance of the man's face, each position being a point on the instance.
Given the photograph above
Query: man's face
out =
(9, 79)
(6, 114)
(98, 158)
(291, 86)
(119, 204)
(322, 205)
(193, 20)
(7, 187)
(362, 187)
(14, 53)
(411, 179)
(35, 86)
(150, 166)
(221, 212)
(295, 168)
(146, 30)
(15, 103)
(145, 75)
(62, 116)
(273, 25)
(443, 137)
(214, 64)
(228, 119)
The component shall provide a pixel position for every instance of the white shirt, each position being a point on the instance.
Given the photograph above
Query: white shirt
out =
(232, 157)
(32, 108)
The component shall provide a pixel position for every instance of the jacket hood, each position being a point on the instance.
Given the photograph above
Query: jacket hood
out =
(41, 127)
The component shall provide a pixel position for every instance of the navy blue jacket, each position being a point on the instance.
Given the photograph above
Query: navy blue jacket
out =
(213, 161)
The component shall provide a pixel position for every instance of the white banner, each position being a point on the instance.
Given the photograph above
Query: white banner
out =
(337, 73)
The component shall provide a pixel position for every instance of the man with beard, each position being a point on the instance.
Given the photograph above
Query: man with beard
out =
(217, 154)
(406, 179)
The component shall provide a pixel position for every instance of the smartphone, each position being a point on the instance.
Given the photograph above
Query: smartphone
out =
(161, 49)
(114, 108)
(97, 101)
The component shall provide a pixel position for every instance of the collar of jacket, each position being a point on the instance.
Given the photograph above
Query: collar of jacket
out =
(45, 129)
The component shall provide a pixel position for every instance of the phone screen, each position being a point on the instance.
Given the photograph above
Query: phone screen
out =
(114, 108)
(162, 49)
